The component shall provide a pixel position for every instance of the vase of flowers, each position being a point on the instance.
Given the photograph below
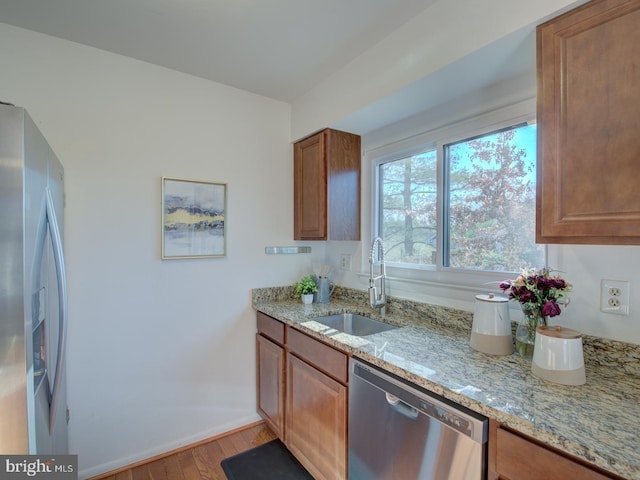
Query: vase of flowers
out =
(541, 296)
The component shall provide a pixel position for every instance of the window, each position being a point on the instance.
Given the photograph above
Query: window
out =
(408, 221)
(485, 186)
(490, 201)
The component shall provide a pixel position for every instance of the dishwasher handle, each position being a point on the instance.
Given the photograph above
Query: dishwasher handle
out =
(401, 407)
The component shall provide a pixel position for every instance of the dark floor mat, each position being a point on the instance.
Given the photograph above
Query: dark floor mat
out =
(270, 461)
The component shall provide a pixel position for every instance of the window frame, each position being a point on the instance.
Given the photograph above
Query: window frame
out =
(512, 115)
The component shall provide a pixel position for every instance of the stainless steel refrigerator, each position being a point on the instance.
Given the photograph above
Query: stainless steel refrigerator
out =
(33, 303)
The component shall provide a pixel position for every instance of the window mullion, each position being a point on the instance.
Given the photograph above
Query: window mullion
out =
(442, 206)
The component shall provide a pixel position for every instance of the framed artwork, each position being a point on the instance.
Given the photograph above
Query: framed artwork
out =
(193, 219)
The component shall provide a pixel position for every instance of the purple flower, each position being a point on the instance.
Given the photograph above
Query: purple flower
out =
(544, 283)
(538, 291)
(524, 295)
(559, 283)
(551, 309)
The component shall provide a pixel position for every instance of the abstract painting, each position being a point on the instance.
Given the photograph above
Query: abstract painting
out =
(193, 219)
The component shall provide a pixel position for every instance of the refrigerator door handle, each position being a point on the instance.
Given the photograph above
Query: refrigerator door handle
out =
(56, 242)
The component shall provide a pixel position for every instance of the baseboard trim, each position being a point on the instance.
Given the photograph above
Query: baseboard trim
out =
(175, 451)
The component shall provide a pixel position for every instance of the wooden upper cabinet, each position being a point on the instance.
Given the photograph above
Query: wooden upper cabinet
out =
(588, 63)
(326, 172)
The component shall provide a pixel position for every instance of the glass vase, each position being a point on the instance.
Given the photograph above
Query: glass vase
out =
(526, 332)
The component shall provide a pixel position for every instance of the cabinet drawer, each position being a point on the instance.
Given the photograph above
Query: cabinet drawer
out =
(520, 459)
(322, 356)
(270, 327)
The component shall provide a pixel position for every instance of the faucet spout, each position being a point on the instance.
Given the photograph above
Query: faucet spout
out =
(377, 300)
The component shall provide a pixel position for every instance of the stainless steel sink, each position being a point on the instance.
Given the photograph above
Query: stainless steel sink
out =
(354, 324)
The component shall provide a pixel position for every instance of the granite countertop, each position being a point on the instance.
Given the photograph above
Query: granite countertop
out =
(598, 422)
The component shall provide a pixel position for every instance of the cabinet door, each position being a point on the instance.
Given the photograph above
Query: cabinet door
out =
(343, 185)
(316, 426)
(326, 168)
(270, 383)
(514, 457)
(310, 189)
(588, 124)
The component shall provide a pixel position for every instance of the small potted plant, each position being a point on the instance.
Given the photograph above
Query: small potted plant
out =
(305, 289)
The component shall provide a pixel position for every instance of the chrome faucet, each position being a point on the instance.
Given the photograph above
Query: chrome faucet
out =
(376, 300)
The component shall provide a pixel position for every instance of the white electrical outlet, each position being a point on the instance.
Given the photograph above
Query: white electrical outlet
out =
(345, 261)
(614, 297)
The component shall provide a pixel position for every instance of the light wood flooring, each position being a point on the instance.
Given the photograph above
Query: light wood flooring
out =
(197, 462)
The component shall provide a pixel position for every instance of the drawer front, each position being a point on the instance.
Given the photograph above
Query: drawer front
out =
(270, 327)
(520, 459)
(322, 356)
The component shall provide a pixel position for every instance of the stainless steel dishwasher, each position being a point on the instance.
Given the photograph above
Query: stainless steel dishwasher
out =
(399, 432)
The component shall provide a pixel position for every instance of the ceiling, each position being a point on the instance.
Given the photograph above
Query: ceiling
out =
(276, 48)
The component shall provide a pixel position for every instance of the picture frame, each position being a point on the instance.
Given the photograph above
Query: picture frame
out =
(193, 219)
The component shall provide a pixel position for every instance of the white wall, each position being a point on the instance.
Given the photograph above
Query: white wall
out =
(443, 33)
(161, 353)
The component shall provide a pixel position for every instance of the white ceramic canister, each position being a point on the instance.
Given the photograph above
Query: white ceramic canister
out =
(491, 332)
(558, 356)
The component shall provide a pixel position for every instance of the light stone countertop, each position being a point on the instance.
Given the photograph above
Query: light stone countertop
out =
(598, 422)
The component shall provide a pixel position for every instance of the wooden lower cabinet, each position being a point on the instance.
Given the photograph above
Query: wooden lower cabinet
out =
(513, 456)
(270, 383)
(302, 395)
(316, 424)
(302, 386)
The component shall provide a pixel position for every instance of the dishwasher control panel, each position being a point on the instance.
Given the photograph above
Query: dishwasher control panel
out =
(447, 417)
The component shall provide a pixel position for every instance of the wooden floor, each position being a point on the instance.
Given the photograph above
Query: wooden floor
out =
(200, 461)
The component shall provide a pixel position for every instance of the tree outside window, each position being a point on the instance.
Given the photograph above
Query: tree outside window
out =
(491, 198)
(488, 201)
(409, 215)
